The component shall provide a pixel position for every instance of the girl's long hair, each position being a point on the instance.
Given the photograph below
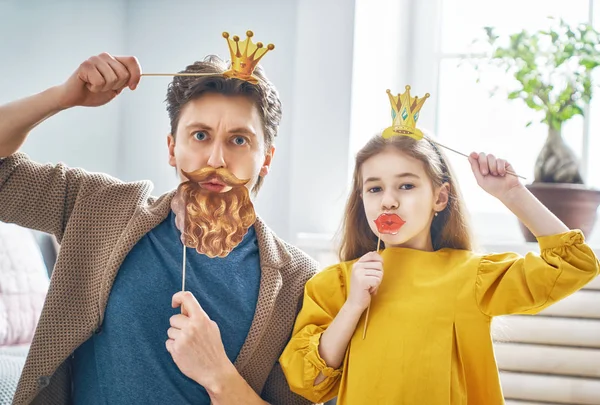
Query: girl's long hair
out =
(449, 229)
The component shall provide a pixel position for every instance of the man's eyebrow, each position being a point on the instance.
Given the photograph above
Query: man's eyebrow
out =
(236, 130)
(198, 124)
(242, 130)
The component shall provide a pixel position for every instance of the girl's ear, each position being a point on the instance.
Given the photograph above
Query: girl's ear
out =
(442, 197)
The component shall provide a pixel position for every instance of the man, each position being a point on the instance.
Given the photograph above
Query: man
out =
(111, 330)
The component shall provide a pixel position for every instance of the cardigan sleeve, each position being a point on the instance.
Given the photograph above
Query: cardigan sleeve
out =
(42, 196)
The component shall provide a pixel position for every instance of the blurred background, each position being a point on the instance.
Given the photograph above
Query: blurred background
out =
(332, 64)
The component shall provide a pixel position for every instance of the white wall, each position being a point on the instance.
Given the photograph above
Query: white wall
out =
(321, 115)
(381, 61)
(41, 44)
(311, 67)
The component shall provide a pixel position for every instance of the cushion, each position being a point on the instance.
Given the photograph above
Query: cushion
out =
(23, 284)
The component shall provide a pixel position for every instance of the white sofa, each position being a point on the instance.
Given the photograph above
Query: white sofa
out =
(26, 259)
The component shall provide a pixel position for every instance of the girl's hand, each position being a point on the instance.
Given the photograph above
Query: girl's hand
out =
(367, 274)
(491, 175)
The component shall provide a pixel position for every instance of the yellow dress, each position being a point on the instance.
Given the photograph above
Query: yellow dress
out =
(428, 338)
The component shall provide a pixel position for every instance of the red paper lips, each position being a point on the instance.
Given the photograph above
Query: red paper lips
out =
(389, 223)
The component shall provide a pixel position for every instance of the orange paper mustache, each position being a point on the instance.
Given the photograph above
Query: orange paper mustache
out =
(212, 222)
(222, 174)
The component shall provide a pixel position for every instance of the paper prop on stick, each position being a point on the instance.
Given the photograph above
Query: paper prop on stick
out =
(405, 114)
(211, 220)
(245, 56)
(244, 60)
(389, 224)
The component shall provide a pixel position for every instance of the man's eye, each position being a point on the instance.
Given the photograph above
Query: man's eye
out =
(200, 135)
(240, 140)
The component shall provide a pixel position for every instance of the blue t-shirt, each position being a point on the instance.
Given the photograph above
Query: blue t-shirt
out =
(127, 362)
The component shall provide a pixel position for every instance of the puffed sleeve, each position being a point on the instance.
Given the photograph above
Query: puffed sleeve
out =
(511, 284)
(324, 296)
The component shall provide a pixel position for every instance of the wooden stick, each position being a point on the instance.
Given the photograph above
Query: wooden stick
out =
(183, 277)
(183, 271)
(467, 156)
(178, 74)
(369, 307)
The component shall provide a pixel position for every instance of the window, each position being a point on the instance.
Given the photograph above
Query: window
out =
(433, 56)
(467, 118)
(592, 140)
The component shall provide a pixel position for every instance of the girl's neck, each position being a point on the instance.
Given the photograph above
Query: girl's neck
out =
(421, 241)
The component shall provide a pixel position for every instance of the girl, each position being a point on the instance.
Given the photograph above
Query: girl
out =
(428, 337)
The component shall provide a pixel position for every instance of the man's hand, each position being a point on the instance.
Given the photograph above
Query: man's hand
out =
(195, 343)
(98, 80)
(196, 347)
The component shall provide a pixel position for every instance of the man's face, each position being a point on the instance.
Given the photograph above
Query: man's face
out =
(220, 131)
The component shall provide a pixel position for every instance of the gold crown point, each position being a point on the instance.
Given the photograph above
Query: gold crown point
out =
(245, 55)
(405, 114)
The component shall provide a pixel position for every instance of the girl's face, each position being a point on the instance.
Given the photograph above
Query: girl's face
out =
(396, 185)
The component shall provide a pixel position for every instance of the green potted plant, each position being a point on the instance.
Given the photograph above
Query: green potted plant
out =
(553, 76)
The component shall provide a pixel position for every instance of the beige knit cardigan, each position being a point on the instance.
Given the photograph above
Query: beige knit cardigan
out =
(98, 219)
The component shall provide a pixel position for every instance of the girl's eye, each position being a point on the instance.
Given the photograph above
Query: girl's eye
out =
(374, 190)
(407, 187)
(200, 135)
(240, 140)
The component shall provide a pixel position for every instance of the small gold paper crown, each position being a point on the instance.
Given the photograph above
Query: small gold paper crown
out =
(245, 55)
(405, 114)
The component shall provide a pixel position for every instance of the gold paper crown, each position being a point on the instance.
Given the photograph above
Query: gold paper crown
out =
(245, 56)
(405, 114)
